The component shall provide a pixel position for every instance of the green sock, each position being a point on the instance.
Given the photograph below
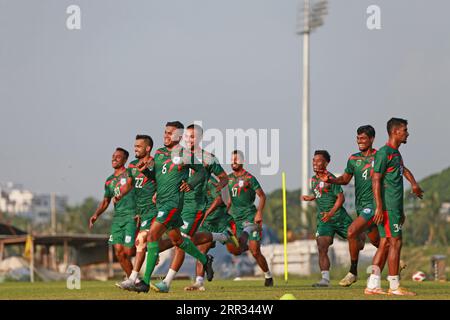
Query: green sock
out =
(152, 257)
(189, 247)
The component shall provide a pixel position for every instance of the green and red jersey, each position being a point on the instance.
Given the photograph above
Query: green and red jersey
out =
(243, 193)
(211, 195)
(361, 168)
(196, 199)
(389, 163)
(170, 169)
(144, 188)
(126, 206)
(326, 196)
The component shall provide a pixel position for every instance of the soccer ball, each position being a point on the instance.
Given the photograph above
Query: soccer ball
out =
(419, 276)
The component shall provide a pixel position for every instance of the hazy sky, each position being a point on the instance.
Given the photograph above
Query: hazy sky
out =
(68, 98)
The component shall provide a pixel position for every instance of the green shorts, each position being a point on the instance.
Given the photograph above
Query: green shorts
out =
(146, 222)
(367, 214)
(170, 217)
(391, 227)
(254, 236)
(191, 221)
(147, 218)
(123, 231)
(218, 224)
(331, 227)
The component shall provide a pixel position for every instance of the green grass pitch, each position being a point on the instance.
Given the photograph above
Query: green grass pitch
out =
(218, 290)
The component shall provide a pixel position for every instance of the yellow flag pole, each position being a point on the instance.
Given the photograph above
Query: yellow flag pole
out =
(285, 227)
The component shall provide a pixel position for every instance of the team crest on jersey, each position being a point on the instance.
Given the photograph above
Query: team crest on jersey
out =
(241, 183)
(160, 214)
(123, 181)
(134, 170)
(358, 162)
(176, 160)
(321, 184)
(127, 239)
(367, 210)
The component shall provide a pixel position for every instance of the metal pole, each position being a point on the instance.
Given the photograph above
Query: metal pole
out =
(53, 263)
(53, 212)
(305, 113)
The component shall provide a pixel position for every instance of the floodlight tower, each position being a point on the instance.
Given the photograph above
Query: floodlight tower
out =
(310, 18)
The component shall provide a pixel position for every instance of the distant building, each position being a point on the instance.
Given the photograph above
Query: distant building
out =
(445, 210)
(42, 207)
(15, 200)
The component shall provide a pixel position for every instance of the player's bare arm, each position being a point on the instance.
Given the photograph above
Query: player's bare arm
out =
(415, 188)
(308, 198)
(376, 187)
(341, 180)
(223, 181)
(340, 199)
(100, 209)
(262, 202)
(217, 202)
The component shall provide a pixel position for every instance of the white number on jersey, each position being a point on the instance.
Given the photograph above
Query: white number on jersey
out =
(364, 175)
(139, 182)
(317, 192)
(234, 191)
(164, 168)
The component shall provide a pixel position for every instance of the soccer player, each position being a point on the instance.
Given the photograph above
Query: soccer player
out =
(216, 220)
(360, 166)
(331, 215)
(243, 188)
(387, 185)
(123, 228)
(144, 189)
(194, 204)
(171, 171)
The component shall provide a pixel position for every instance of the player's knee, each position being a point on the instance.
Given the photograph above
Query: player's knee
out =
(120, 254)
(323, 249)
(177, 242)
(351, 233)
(255, 252)
(141, 242)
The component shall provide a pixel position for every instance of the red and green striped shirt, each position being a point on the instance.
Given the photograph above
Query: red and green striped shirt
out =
(389, 163)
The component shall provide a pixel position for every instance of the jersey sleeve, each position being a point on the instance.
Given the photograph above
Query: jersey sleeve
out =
(381, 162)
(336, 189)
(215, 166)
(212, 188)
(254, 184)
(350, 169)
(108, 193)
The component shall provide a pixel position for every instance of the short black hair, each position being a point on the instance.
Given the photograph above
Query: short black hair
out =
(239, 153)
(395, 123)
(367, 129)
(176, 124)
(324, 153)
(146, 138)
(196, 127)
(125, 152)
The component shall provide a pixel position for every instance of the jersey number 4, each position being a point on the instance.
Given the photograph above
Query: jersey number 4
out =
(364, 174)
